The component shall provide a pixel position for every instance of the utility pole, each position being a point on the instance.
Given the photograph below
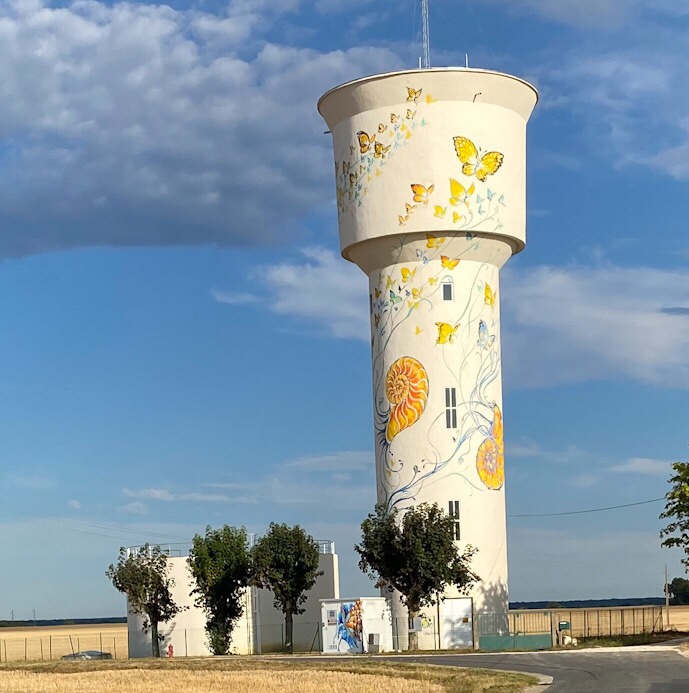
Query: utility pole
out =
(667, 602)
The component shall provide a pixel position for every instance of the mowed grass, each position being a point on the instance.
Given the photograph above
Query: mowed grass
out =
(250, 675)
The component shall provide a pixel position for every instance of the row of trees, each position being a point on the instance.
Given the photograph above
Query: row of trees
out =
(285, 561)
(414, 554)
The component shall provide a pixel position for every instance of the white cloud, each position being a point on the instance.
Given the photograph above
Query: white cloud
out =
(526, 448)
(629, 94)
(234, 299)
(30, 482)
(644, 465)
(161, 494)
(324, 289)
(572, 324)
(131, 124)
(74, 504)
(583, 481)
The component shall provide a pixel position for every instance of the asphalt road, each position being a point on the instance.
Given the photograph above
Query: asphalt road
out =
(621, 670)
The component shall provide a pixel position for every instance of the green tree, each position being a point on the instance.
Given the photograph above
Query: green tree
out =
(414, 554)
(221, 565)
(286, 562)
(679, 591)
(676, 534)
(143, 576)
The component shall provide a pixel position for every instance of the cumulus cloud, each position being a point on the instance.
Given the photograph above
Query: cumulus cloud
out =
(571, 324)
(144, 124)
(629, 85)
(135, 508)
(161, 494)
(323, 288)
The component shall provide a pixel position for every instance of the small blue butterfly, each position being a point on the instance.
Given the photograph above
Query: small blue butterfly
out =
(470, 236)
(501, 199)
(485, 341)
(479, 199)
(394, 298)
(490, 194)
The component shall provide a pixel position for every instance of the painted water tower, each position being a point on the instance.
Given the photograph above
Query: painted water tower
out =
(430, 167)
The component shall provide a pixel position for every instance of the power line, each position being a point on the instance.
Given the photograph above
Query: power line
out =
(593, 510)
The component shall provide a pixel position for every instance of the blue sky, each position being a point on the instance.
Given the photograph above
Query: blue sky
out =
(182, 345)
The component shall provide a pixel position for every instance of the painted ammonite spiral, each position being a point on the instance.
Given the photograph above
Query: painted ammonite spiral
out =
(406, 386)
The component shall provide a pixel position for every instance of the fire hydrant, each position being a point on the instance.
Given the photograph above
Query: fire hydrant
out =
(170, 651)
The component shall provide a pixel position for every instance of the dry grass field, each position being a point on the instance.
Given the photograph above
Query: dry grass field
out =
(44, 643)
(244, 675)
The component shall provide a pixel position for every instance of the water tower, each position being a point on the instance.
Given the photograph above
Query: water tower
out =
(430, 167)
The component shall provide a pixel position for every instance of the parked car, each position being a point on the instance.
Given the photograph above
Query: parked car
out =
(88, 654)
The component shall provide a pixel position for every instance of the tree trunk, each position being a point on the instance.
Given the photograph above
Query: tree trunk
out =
(155, 640)
(289, 644)
(413, 635)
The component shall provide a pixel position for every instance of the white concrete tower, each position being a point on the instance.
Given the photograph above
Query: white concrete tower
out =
(430, 168)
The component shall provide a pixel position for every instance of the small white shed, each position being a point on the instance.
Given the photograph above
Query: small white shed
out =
(355, 626)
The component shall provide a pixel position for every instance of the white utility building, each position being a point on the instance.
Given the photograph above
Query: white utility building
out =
(260, 629)
(430, 168)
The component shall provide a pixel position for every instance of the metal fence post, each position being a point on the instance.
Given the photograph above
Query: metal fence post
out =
(186, 646)
(50, 646)
(26, 645)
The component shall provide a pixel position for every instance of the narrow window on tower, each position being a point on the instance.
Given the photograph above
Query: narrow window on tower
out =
(454, 514)
(450, 407)
(448, 290)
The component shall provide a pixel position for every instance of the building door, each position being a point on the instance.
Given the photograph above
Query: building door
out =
(455, 624)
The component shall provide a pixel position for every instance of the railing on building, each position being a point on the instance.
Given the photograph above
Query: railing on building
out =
(182, 549)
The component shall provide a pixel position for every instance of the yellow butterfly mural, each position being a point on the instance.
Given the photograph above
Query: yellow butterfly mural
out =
(418, 330)
(433, 241)
(366, 141)
(388, 282)
(456, 217)
(410, 114)
(474, 163)
(430, 99)
(460, 194)
(447, 263)
(439, 212)
(394, 118)
(377, 293)
(489, 296)
(421, 192)
(409, 208)
(345, 167)
(412, 305)
(379, 151)
(413, 94)
(446, 332)
(432, 281)
(407, 274)
(382, 127)
(416, 293)
(402, 219)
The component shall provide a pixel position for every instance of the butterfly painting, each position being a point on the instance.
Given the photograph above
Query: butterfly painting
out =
(485, 340)
(459, 194)
(366, 141)
(445, 332)
(448, 263)
(474, 163)
(379, 151)
(430, 99)
(394, 298)
(421, 192)
(413, 94)
(489, 296)
(407, 274)
(382, 127)
(433, 241)
(440, 211)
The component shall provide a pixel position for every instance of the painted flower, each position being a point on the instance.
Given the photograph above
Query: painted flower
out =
(490, 458)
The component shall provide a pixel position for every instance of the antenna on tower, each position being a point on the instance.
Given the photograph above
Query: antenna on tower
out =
(426, 56)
